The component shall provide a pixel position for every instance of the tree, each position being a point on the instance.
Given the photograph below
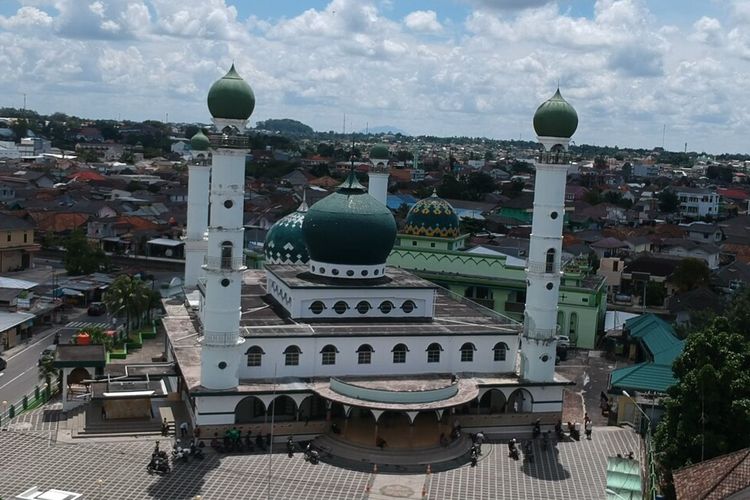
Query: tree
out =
(690, 274)
(669, 202)
(655, 294)
(127, 298)
(80, 256)
(708, 410)
(48, 372)
(593, 197)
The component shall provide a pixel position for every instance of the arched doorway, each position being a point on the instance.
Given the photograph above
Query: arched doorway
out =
(249, 410)
(394, 428)
(520, 401)
(359, 427)
(283, 409)
(312, 408)
(493, 402)
(77, 376)
(426, 430)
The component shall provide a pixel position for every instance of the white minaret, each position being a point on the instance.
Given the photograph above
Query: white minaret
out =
(231, 102)
(377, 177)
(199, 173)
(555, 122)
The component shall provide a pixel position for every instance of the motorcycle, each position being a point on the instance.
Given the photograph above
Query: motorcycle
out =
(513, 450)
(474, 456)
(290, 447)
(196, 452)
(559, 431)
(312, 456)
(537, 428)
(158, 464)
(178, 453)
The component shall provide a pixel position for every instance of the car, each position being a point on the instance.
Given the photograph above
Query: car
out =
(3, 364)
(97, 309)
(47, 353)
(563, 340)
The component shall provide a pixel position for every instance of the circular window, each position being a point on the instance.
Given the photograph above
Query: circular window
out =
(408, 306)
(376, 272)
(350, 273)
(313, 268)
(364, 272)
(550, 286)
(225, 282)
(385, 307)
(335, 272)
(553, 215)
(340, 307)
(317, 307)
(363, 307)
(222, 365)
(544, 358)
(228, 203)
(322, 270)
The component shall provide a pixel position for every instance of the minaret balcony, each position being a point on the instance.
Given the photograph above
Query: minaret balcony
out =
(220, 339)
(541, 267)
(224, 263)
(542, 334)
(229, 141)
(554, 157)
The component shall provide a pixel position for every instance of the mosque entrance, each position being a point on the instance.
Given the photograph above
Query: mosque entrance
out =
(390, 429)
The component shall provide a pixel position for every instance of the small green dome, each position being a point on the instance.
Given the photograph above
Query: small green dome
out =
(285, 243)
(380, 152)
(231, 97)
(555, 118)
(349, 227)
(432, 217)
(199, 142)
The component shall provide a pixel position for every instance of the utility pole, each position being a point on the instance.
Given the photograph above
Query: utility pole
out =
(24, 102)
(663, 135)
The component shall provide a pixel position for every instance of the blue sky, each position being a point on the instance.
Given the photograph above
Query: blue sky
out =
(443, 67)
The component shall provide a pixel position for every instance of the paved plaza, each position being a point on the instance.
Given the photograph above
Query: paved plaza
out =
(30, 455)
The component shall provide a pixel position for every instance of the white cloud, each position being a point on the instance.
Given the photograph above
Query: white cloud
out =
(423, 20)
(708, 30)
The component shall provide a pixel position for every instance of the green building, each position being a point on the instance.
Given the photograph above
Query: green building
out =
(431, 246)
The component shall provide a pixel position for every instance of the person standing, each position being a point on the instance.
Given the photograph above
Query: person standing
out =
(588, 426)
(183, 429)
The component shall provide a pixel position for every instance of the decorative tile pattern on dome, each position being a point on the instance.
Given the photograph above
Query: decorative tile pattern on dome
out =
(432, 217)
(284, 242)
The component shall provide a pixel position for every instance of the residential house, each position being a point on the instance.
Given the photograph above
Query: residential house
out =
(16, 243)
(732, 277)
(684, 305)
(726, 476)
(701, 231)
(697, 202)
(611, 268)
(648, 268)
(609, 247)
(679, 247)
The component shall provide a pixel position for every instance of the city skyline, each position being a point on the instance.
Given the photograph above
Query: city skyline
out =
(447, 68)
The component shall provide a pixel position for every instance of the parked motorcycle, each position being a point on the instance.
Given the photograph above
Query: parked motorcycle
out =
(311, 455)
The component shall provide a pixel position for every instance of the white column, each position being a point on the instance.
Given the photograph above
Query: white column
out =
(197, 223)
(224, 266)
(543, 270)
(378, 185)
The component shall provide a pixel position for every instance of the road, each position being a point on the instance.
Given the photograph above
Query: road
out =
(22, 373)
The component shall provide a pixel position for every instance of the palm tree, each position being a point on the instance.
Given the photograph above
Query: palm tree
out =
(127, 298)
(48, 372)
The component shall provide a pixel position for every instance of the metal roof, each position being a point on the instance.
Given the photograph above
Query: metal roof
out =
(644, 377)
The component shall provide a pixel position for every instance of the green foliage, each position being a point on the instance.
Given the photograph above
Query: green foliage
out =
(690, 274)
(471, 188)
(668, 201)
(128, 298)
(512, 189)
(99, 336)
(88, 156)
(593, 197)
(655, 294)
(721, 173)
(81, 257)
(615, 198)
(324, 149)
(285, 126)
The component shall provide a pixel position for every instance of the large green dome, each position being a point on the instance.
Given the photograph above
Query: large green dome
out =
(231, 98)
(285, 243)
(199, 142)
(555, 118)
(347, 230)
(379, 152)
(432, 217)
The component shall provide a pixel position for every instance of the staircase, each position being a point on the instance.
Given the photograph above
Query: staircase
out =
(88, 423)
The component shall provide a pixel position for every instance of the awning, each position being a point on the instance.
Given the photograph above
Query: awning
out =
(166, 242)
(623, 479)
(71, 293)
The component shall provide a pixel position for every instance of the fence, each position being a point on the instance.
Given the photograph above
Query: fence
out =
(34, 399)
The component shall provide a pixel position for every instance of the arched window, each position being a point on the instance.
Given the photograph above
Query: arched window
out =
(364, 354)
(573, 330)
(291, 355)
(363, 307)
(317, 307)
(226, 255)
(399, 353)
(560, 322)
(328, 354)
(386, 306)
(467, 352)
(499, 350)
(340, 307)
(408, 306)
(254, 355)
(550, 263)
(433, 352)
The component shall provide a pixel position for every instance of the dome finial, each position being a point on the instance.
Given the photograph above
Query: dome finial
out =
(555, 118)
(231, 98)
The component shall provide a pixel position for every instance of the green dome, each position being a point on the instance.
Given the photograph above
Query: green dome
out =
(555, 118)
(231, 97)
(199, 142)
(349, 227)
(380, 152)
(285, 243)
(432, 217)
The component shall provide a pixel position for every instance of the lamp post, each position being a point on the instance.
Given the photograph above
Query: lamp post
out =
(649, 448)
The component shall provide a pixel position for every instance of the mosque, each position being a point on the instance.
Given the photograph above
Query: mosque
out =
(329, 340)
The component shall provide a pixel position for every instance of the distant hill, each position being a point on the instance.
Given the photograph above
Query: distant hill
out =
(285, 126)
(385, 129)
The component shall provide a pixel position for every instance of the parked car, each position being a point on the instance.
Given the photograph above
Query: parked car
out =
(97, 309)
(3, 364)
(563, 341)
(47, 353)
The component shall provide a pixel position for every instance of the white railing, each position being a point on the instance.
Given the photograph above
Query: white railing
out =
(220, 339)
(540, 267)
(224, 263)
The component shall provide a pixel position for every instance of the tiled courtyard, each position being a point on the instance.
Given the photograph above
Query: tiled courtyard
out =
(30, 456)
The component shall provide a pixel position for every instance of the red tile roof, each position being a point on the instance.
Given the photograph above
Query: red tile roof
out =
(720, 477)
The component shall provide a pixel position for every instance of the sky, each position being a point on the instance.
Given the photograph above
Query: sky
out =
(638, 72)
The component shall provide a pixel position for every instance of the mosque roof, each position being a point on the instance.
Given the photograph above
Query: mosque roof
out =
(230, 97)
(432, 217)
(555, 118)
(285, 242)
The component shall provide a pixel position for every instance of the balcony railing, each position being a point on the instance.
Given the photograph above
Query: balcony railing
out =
(545, 334)
(554, 157)
(541, 267)
(224, 263)
(515, 307)
(220, 339)
(229, 141)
